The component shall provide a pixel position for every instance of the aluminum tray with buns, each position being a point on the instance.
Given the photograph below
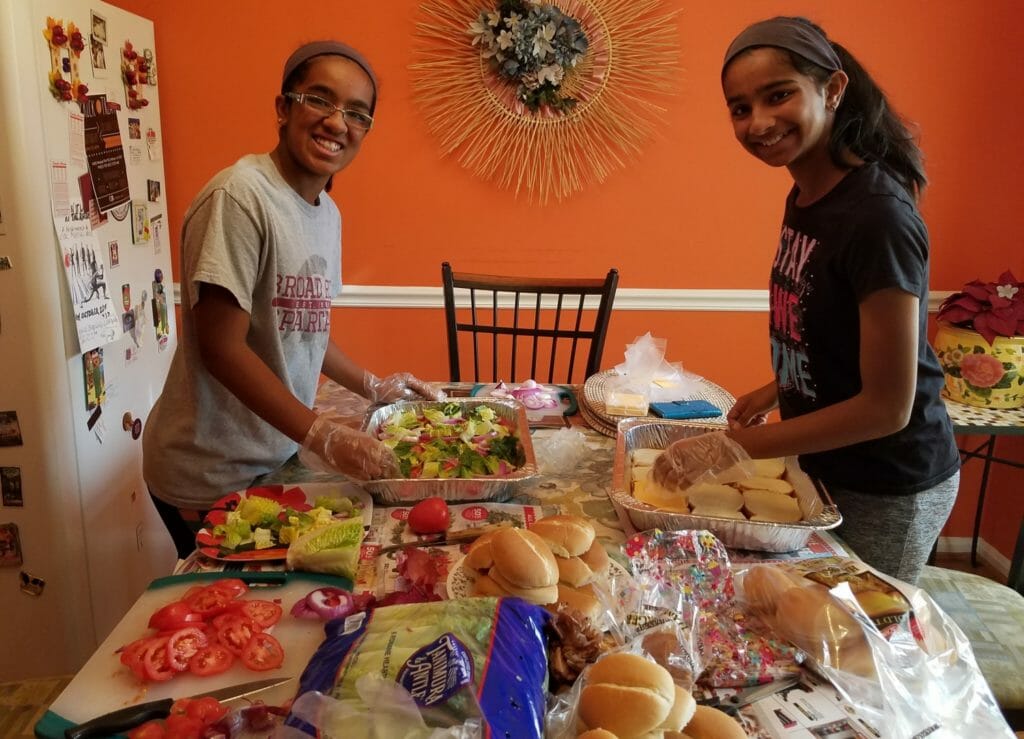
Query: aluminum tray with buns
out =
(392, 491)
(818, 513)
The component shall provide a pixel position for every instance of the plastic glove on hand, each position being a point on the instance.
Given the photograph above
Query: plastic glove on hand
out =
(399, 386)
(702, 458)
(330, 446)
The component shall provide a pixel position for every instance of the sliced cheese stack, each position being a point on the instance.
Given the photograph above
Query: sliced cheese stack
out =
(710, 499)
(646, 490)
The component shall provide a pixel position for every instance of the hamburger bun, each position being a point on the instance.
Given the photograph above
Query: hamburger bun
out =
(764, 586)
(772, 485)
(577, 600)
(597, 734)
(541, 596)
(626, 695)
(814, 621)
(766, 506)
(644, 457)
(567, 536)
(596, 558)
(523, 559)
(479, 556)
(712, 496)
(710, 723)
(649, 492)
(573, 571)
(772, 468)
(664, 647)
(681, 713)
(485, 586)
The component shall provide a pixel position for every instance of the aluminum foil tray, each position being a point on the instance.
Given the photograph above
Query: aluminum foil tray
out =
(819, 513)
(401, 491)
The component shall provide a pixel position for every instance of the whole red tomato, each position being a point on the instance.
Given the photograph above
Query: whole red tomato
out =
(429, 516)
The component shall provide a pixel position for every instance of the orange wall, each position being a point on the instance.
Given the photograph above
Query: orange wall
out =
(693, 211)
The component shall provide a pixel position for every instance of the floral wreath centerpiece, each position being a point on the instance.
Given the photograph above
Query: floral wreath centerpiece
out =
(545, 96)
(980, 343)
(533, 46)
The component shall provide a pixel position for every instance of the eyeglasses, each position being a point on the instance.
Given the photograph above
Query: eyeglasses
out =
(355, 118)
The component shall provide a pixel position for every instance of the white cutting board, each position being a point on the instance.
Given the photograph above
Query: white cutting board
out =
(105, 685)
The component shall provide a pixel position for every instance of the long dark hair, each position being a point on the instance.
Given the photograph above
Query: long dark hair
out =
(865, 124)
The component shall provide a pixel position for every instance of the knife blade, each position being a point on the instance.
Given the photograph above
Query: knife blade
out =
(462, 536)
(126, 718)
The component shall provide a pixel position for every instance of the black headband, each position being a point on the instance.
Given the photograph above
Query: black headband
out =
(791, 34)
(336, 48)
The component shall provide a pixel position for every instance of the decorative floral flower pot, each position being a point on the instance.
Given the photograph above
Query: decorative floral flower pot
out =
(979, 373)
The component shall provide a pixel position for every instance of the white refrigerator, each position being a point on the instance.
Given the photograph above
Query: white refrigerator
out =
(86, 328)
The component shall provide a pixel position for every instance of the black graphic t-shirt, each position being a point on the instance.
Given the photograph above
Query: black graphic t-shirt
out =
(863, 236)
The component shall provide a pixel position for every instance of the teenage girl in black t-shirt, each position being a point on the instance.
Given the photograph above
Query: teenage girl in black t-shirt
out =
(856, 383)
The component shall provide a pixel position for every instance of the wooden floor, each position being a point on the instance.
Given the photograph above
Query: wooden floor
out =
(962, 563)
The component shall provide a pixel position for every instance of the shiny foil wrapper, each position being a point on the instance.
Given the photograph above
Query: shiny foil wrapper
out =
(819, 512)
(402, 491)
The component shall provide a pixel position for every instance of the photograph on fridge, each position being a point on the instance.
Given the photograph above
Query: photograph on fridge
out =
(10, 545)
(98, 55)
(140, 222)
(10, 429)
(10, 487)
(95, 386)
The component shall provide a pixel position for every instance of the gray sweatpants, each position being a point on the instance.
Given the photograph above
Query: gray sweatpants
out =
(895, 533)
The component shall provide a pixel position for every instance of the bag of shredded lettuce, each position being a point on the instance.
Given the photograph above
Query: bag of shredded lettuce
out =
(454, 668)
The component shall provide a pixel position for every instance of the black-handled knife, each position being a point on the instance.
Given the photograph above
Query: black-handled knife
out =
(132, 716)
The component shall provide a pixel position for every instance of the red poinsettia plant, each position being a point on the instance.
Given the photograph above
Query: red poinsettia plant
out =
(990, 308)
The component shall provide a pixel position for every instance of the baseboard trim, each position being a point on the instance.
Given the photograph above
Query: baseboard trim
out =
(986, 552)
(626, 299)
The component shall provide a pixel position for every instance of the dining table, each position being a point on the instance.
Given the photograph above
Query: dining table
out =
(580, 488)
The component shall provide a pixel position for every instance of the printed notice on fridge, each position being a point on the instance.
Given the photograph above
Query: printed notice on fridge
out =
(96, 317)
(105, 155)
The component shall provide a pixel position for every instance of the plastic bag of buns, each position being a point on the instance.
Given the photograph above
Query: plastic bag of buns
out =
(626, 694)
(885, 645)
(684, 577)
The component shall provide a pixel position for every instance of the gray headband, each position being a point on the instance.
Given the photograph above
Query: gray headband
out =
(336, 48)
(791, 34)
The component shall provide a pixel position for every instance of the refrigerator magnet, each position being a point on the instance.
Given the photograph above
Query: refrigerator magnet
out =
(10, 486)
(95, 387)
(136, 428)
(10, 429)
(115, 253)
(32, 585)
(10, 545)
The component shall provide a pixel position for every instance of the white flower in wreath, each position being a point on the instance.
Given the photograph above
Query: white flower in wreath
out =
(505, 40)
(480, 32)
(542, 41)
(493, 18)
(1007, 291)
(513, 20)
(552, 73)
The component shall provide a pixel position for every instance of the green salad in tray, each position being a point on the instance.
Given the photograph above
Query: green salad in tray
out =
(453, 441)
(261, 523)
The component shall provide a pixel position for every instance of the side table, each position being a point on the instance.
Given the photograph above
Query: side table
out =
(992, 423)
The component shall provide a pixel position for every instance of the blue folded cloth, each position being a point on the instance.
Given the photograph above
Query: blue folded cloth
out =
(682, 409)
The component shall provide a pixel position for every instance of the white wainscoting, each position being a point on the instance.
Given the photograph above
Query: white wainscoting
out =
(755, 301)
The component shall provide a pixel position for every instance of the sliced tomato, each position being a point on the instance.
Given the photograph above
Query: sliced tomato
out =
(182, 644)
(210, 601)
(264, 613)
(174, 616)
(211, 660)
(192, 591)
(263, 652)
(207, 710)
(155, 662)
(183, 727)
(232, 585)
(148, 730)
(234, 633)
(131, 656)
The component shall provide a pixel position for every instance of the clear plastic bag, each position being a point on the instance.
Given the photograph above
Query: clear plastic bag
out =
(561, 452)
(647, 373)
(904, 666)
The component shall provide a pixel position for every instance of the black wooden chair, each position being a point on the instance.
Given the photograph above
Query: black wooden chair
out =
(532, 316)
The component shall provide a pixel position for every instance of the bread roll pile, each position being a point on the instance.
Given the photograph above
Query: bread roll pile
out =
(626, 696)
(557, 560)
(766, 496)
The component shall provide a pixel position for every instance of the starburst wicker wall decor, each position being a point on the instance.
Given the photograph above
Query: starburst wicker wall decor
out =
(544, 96)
